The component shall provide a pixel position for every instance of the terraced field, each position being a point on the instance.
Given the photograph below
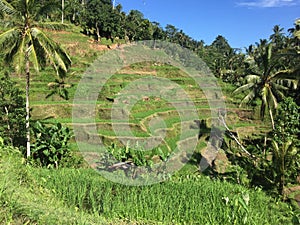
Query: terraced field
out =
(151, 119)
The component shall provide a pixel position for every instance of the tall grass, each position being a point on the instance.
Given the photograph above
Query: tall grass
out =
(22, 201)
(197, 200)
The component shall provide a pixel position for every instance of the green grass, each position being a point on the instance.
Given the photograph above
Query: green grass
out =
(109, 131)
(81, 196)
(196, 200)
(22, 201)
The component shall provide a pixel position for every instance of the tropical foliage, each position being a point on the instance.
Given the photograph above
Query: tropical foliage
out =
(51, 144)
(24, 44)
(285, 143)
(265, 74)
(12, 113)
(267, 79)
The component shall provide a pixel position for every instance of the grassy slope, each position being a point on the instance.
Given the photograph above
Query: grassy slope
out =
(69, 196)
(24, 201)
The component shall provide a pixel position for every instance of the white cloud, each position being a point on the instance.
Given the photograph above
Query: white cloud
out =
(268, 3)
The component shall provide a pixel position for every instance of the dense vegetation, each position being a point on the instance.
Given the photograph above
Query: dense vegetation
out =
(254, 179)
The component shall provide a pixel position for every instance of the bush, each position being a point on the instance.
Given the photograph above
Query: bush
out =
(136, 154)
(275, 160)
(50, 147)
(12, 113)
(285, 143)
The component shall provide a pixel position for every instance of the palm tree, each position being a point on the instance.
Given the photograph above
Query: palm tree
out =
(25, 44)
(296, 34)
(278, 38)
(60, 88)
(267, 80)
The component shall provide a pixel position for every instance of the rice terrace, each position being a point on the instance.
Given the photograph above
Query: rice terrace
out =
(109, 118)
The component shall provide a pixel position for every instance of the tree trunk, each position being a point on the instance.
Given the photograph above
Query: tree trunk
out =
(272, 119)
(98, 32)
(221, 118)
(8, 126)
(27, 67)
(74, 16)
(62, 10)
(282, 177)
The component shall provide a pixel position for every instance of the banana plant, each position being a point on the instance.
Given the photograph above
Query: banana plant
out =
(51, 143)
(285, 142)
(282, 155)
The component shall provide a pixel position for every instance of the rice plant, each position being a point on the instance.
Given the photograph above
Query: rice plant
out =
(196, 200)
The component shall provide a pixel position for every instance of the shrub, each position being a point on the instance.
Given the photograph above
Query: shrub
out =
(12, 113)
(137, 155)
(51, 145)
(285, 143)
(275, 160)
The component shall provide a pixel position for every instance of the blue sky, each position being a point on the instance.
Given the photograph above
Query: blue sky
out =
(241, 22)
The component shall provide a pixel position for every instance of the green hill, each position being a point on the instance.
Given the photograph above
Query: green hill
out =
(81, 196)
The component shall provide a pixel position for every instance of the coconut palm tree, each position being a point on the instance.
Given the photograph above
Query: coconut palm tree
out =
(25, 44)
(60, 88)
(278, 37)
(296, 34)
(267, 80)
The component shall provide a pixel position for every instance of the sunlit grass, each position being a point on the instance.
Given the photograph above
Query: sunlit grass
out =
(179, 201)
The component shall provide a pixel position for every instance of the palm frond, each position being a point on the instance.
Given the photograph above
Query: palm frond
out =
(56, 55)
(279, 94)
(18, 55)
(34, 56)
(249, 97)
(286, 74)
(53, 26)
(278, 86)
(252, 78)
(266, 58)
(269, 52)
(287, 84)
(297, 34)
(276, 149)
(7, 8)
(8, 23)
(243, 88)
(8, 38)
(289, 52)
(13, 46)
(9, 53)
(23, 7)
